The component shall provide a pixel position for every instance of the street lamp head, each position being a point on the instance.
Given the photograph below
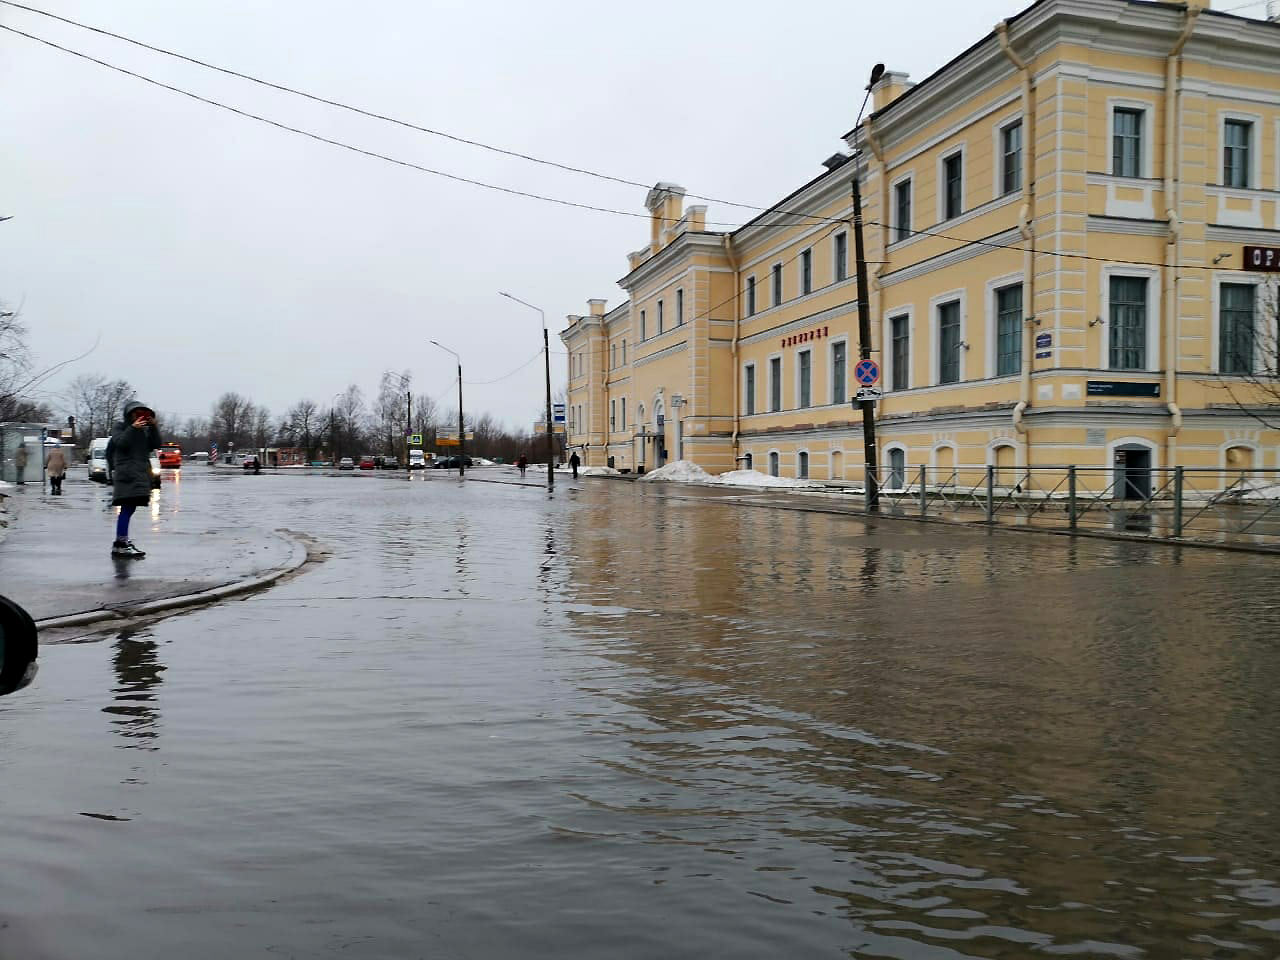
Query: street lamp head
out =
(876, 73)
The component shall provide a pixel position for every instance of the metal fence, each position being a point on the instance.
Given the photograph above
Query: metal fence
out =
(1178, 503)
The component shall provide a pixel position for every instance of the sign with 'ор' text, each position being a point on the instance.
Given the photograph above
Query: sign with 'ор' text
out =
(1262, 258)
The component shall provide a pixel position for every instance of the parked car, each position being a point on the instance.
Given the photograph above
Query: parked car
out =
(367, 463)
(155, 470)
(98, 469)
(171, 455)
(389, 463)
(346, 463)
(417, 460)
(451, 463)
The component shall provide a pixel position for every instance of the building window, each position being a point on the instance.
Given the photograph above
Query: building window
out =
(777, 284)
(805, 374)
(1236, 144)
(902, 209)
(953, 185)
(803, 471)
(623, 410)
(1009, 330)
(644, 334)
(775, 384)
(897, 479)
(839, 362)
(661, 311)
(900, 331)
(679, 308)
(842, 257)
(624, 353)
(1126, 142)
(949, 342)
(749, 388)
(747, 460)
(1128, 341)
(613, 415)
(751, 296)
(806, 272)
(1011, 159)
(773, 463)
(1236, 303)
(613, 355)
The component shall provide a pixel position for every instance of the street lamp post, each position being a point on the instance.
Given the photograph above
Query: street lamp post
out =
(462, 437)
(546, 355)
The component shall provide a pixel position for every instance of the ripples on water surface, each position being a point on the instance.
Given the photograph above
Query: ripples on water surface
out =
(613, 724)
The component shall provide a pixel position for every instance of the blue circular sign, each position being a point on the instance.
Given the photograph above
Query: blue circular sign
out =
(867, 372)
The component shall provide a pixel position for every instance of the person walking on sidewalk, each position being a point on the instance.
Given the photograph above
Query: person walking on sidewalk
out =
(523, 464)
(129, 460)
(575, 461)
(56, 467)
(20, 463)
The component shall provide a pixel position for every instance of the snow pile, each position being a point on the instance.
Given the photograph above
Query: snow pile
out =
(681, 471)
(754, 478)
(1256, 490)
(597, 472)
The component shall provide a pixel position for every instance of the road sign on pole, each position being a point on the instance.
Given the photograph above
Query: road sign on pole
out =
(557, 412)
(415, 439)
(867, 372)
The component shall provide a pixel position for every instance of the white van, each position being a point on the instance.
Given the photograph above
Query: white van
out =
(98, 460)
(417, 460)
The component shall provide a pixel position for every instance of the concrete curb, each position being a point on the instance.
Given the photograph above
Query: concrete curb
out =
(298, 556)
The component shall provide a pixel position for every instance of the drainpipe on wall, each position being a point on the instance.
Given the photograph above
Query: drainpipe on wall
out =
(1026, 217)
(737, 329)
(1173, 248)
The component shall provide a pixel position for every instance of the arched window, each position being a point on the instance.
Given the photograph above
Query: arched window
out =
(746, 461)
(804, 465)
(773, 463)
(897, 479)
(837, 465)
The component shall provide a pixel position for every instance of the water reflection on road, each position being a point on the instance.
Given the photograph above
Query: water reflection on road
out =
(615, 723)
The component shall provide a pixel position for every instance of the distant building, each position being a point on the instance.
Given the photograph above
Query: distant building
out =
(1055, 231)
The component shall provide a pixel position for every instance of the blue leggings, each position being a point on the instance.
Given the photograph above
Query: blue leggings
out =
(122, 521)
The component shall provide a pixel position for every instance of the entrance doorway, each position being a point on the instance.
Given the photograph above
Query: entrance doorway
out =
(897, 469)
(1133, 472)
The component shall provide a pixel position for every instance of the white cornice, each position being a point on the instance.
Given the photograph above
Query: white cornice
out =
(992, 244)
(685, 245)
(665, 352)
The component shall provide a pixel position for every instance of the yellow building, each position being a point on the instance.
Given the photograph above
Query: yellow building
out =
(1056, 225)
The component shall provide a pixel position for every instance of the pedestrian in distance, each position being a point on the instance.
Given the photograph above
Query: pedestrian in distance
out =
(574, 462)
(129, 460)
(56, 467)
(523, 464)
(20, 462)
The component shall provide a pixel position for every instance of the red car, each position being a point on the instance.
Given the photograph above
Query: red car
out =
(367, 463)
(171, 455)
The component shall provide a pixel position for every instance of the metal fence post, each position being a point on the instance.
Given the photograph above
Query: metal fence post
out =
(1071, 496)
(991, 494)
(1177, 501)
(924, 496)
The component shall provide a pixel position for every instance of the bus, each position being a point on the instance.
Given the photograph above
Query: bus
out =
(170, 455)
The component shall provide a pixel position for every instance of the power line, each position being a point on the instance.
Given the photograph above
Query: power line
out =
(505, 151)
(508, 376)
(522, 193)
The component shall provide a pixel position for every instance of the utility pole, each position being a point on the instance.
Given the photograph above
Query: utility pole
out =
(872, 482)
(408, 429)
(546, 354)
(462, 437)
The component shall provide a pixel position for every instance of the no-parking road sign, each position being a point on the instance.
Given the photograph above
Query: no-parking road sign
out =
(867, 372)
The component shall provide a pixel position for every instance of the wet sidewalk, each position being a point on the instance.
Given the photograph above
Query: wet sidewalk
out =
(55, 555)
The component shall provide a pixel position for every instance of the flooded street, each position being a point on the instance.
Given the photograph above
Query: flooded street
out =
(611, 722)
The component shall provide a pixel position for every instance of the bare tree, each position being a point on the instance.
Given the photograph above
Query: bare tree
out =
(390, 410)
(15, 368)
(1249, 349)
(303, 427)
(97, 403)
(233, 419)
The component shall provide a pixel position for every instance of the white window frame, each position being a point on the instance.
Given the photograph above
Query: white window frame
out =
(992, 318)
(895, 226)
(935, 338)
(800, 352)
(1152, 275)
(906, 462)
(1255, 147)
(679, 306)
(644, 326)
(831, 463)
(1147, 164)
(768, 461)
(624, 353)
(886, 352)
(613, 416)
(835, 257)
(749, 292)
(960, 150)
(749, 371)
(1264, 292)
(808, 463)
(622, 407)
(776, 280)
(805, 254)
(997, 152)
(768, 378)
(661, 317)
(848, 369)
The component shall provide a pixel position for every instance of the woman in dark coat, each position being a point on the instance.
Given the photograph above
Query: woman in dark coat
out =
(129, 460)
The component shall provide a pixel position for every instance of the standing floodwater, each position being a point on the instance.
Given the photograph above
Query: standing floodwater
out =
(613, 723)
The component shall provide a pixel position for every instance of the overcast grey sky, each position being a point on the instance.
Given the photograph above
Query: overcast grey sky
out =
(209, 252)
